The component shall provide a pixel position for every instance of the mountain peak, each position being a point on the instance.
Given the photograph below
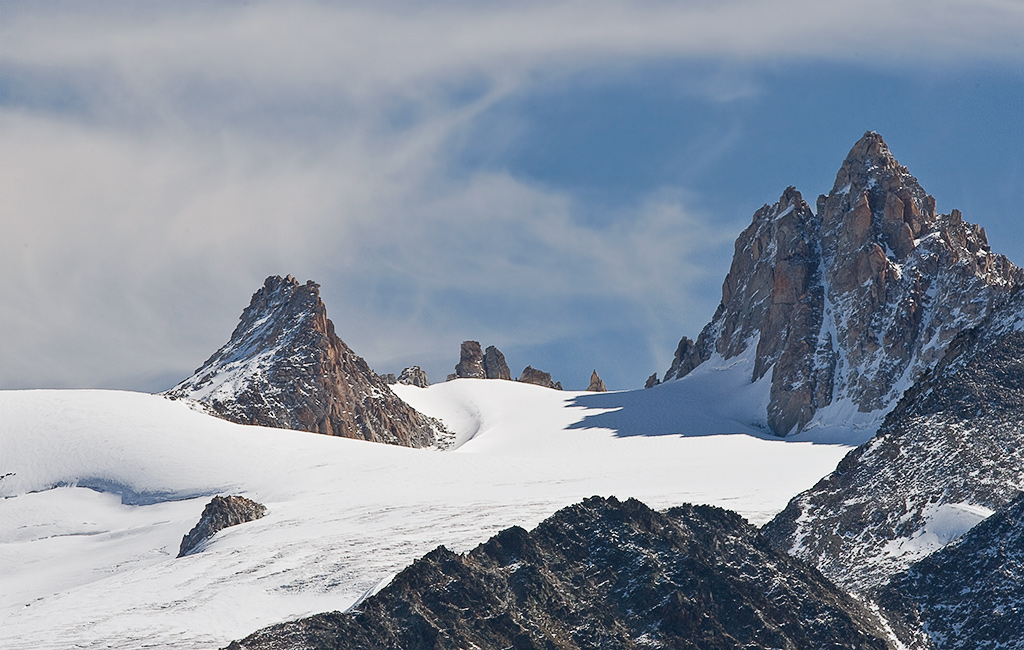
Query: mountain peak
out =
(875, 200)
(850, 303)
(871, 150)
(285, 367)
(869, 157)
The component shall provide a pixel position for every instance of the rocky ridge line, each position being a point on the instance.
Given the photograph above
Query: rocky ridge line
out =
(600, 574)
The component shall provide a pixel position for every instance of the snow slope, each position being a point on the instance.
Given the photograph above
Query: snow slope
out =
(100, 486)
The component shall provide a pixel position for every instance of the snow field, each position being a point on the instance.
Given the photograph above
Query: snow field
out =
(104, 485)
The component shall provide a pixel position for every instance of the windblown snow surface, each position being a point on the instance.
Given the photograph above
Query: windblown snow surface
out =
(100, 486)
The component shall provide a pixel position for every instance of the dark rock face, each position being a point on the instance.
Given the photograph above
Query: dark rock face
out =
(600, 574)
(471, 361)
(285, 367)
(596, 385)
(539, 377)
(851, 302)
(477, 364)
(968, 595)
(954, 443)
(218, 514)
(653, 380)
(494, 364)
(413, 376)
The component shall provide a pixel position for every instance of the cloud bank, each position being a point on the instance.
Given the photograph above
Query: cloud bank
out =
(157, 161)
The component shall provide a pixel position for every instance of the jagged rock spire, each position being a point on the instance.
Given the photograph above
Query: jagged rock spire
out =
(596, 383)
(285, 367)
(495, 366)
(471, 361)
(854, 302)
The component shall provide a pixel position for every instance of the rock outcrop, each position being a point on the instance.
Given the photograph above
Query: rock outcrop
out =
(475, 363)
(596, 385)
(285, 367)
(851, 304)
(949, 453)
(413, 376)
(490, 364)
(600, 574)
(653, 380)
(219, 514)
(494, 364)
(539, 377)
(471, 361)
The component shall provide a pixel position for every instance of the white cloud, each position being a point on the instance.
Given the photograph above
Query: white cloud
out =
(157, 161)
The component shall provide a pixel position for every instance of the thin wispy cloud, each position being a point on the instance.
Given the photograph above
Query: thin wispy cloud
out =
(158, 160)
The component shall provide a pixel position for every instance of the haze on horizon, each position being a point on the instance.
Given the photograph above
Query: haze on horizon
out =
(564, 181)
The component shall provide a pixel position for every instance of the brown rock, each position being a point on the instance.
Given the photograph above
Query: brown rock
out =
(494, 364)
(221, 513)
(471, 361)
(857, 224)
(653, 381)
(539, 377)
(596, 385)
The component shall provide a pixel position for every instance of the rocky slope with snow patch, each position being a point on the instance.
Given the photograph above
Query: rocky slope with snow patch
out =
(948, 455)
(599, 574)
(285, 367)
(969, 595)
(847, 306)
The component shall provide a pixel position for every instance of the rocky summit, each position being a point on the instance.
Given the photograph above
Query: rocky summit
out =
(848, 305)
(600, 574)
(951, 452)
(285, 367)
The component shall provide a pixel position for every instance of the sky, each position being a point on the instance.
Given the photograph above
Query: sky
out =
(564, 180)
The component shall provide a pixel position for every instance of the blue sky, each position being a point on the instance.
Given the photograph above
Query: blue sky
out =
(562, 180)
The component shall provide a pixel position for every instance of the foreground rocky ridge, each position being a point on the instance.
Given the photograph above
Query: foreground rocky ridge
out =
(285, 367)
(600, 574)
(949, 453)
(850, 304)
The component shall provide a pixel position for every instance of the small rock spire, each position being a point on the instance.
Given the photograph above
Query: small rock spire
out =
(596, 385)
